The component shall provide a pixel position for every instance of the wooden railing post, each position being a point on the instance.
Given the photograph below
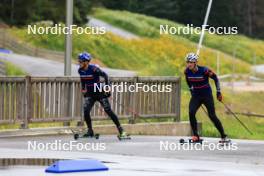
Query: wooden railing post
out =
(178, 101)
(134, 103)
(69, 102)
(27, 103)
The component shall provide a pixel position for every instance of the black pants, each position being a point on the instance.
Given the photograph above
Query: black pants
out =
(208, 101)
(88, 105)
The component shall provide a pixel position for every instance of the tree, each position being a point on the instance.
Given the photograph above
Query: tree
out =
(20, 12)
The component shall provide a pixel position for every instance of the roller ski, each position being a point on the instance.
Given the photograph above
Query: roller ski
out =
(88, 134)
(123, 135)
(193, 140)
(225, 141)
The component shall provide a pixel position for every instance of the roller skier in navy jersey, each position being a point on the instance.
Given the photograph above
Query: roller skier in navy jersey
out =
(90, 76)
(197, 78)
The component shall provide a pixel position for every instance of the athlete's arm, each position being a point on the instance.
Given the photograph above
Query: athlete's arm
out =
(82, 83)
(100, 72)
(213, 76)
(186, 78)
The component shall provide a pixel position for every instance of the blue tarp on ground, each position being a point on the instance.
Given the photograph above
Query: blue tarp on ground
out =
(64, 166)
(2, 50)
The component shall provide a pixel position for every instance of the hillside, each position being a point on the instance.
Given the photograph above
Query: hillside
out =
(149, 56)
(147, 26)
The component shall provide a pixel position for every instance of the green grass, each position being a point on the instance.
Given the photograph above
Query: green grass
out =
(13, 70)
(149, 56)
(152, 54)
(147, 26)
(239, 102)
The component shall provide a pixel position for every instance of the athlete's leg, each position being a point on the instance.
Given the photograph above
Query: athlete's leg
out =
(107, 108)
(88, 105)
(208, 101)
(194, 105)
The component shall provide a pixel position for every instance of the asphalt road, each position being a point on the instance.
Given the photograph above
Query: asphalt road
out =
(109, 28)
(259, 68)
(36, 66)
(143, 155)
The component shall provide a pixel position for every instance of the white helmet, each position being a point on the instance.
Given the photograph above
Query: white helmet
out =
(191, 57)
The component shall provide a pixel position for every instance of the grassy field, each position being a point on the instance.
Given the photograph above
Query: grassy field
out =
(163, 54)
(147, 26)
(149, 56)
(13, 70)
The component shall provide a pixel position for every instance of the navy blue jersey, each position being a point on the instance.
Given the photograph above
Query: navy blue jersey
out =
(198, 81)
(91, 77)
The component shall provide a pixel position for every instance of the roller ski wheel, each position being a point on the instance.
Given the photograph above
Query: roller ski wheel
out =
(77, 136)
(225, 141)
(123, 136)
(193, 140)
(96, 136)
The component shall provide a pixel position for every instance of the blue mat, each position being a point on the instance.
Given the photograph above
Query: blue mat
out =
(2, 50)
(64, 166)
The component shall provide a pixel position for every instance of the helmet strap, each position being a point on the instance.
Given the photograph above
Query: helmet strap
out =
(196, 67)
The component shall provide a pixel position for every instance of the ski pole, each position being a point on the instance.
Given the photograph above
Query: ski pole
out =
(128, 108)
(236, 117)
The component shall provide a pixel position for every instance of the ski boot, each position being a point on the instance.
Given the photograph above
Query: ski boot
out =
(193, 140)
(89, 134)
(225, 141)
(122, 134)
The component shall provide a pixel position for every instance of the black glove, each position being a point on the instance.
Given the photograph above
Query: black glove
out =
(107, 93)
(84, 92)
(219, 96)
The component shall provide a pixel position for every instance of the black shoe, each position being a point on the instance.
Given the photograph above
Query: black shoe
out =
(120, 130)
(89, 133)
(225, 140)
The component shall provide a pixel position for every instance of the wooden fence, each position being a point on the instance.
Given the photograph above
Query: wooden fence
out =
(49, 99)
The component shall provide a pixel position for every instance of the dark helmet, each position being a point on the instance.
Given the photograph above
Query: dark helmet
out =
(84, 56)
